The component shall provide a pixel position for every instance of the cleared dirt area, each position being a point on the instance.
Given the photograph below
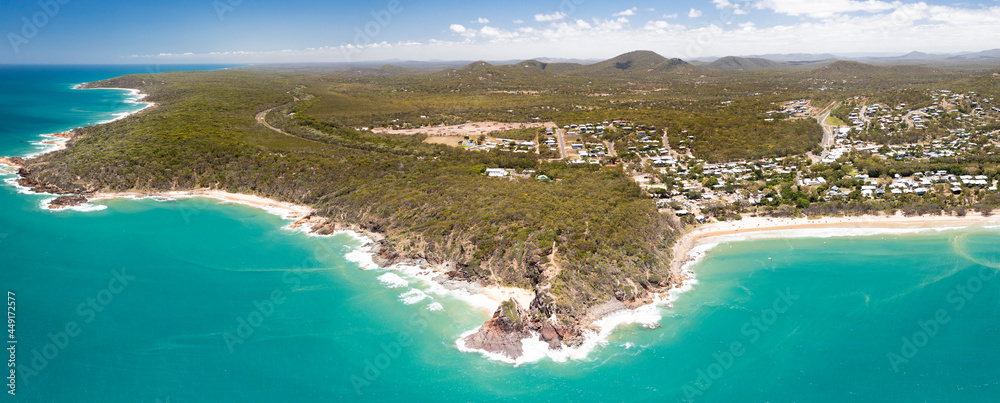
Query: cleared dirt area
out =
(457, 140)
(466, 129)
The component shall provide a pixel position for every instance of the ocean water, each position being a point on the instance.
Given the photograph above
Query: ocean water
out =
(193, 301)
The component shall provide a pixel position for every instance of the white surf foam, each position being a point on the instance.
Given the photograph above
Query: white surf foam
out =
(826, 233)
(82, 208)
(535, 350)
(12, 182)
(412, 296)
(362, 258)
(392, 280)
(47, 144)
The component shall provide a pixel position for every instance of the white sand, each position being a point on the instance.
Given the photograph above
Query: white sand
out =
(756, 227)
(501, 294)
(288, 211)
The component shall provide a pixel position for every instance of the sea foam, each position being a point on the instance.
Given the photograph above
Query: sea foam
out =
(534, 349)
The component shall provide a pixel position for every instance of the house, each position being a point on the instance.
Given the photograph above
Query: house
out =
(497, 172)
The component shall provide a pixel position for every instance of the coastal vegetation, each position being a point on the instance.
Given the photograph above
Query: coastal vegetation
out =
(579, 234)
(432, 202)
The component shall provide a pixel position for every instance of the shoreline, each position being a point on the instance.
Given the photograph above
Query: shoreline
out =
(423, 279)
(58, 141)
(690, 248)
(485, 298)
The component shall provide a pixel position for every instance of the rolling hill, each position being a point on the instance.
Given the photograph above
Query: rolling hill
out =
(742, 63)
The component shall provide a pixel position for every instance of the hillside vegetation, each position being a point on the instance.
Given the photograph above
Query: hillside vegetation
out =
(578, 235)
(431, 202)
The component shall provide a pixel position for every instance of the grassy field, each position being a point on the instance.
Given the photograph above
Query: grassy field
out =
(835, 121)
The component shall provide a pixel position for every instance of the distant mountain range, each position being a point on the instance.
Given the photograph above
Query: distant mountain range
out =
(912, 57)
(644, 63)
(638, 64)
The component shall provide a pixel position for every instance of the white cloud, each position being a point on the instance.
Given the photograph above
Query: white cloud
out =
(627, 13)
(490, 32)
(519, 21)
(822, 9)
(556, 16)
(906, 27)
(722, 4)
(694, 13)
(670, 16)
(726, 4)
(662, 27)
(481, 20)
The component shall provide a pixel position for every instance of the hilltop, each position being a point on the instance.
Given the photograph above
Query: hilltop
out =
(742, 63)
(641, 62)
(632, 65)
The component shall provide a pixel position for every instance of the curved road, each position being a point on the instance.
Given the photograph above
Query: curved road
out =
(262, 119)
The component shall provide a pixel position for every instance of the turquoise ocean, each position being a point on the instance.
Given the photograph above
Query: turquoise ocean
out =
(196, 301)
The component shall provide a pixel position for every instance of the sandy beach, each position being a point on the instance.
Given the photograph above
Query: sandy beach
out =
(751, 227)
(286, 210)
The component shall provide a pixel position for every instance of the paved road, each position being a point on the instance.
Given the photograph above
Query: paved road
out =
(828, 134)
(262, 119)
(562, 143)
(864, 116)
(908, 118)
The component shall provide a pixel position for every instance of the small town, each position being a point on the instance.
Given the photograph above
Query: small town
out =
(688, 186)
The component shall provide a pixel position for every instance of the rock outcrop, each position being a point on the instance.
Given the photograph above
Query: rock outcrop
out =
(38, 187)
(12, 161)
(503, 333)
(511, 323)
(67, 201)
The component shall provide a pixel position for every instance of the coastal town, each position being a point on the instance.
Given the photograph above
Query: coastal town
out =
(875, 134)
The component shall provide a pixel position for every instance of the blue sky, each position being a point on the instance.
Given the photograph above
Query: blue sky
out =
(259, 31)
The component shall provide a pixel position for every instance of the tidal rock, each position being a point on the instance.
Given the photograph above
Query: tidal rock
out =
(503, 333)
(12, 161)
(67, 201)
(550, 335)
(35, 185)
